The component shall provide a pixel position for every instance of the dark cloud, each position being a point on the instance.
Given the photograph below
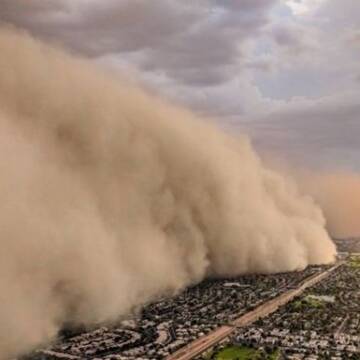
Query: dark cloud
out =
(289, 35)
(321, 132)
(100, 27)
(193, 42)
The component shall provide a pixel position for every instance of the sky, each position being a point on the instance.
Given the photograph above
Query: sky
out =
(287, 72)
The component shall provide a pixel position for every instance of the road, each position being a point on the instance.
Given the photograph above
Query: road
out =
(208, 341)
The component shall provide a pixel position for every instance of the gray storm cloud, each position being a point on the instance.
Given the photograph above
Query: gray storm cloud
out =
(111, 197)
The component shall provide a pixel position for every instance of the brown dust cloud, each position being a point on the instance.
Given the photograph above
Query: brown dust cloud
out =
(111, 197)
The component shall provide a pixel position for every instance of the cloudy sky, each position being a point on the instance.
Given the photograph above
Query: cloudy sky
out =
(285, 71)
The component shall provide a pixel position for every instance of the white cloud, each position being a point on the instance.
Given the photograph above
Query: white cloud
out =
(303, 7)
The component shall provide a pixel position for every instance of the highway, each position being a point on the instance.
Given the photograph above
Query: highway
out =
(208, 341)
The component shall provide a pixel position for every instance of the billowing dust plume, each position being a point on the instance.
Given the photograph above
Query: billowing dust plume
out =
(110, 198)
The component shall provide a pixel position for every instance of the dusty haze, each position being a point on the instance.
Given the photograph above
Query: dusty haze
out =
(110, 198)
(338, 194)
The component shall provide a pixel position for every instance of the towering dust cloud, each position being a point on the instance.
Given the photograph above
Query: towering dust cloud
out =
(110, 198)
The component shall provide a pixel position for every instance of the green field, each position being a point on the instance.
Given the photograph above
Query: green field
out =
(308, 302)
(244, 353)
(354, 261)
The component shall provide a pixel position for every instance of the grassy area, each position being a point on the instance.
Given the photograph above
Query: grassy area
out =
(275, 355)
(244, 353)
(234, 352)
(308, 302)
(354, 261)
